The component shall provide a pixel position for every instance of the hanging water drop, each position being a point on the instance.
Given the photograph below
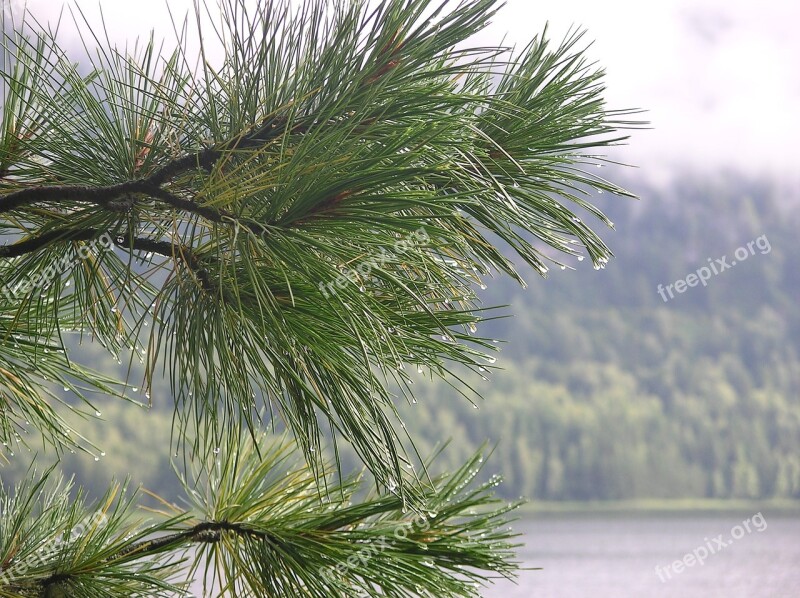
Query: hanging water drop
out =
(216, 450)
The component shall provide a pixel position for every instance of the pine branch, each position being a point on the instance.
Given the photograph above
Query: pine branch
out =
(115, 198)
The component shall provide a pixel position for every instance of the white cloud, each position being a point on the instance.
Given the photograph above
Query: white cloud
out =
(719, 78)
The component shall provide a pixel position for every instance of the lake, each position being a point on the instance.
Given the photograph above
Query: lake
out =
(612, 555)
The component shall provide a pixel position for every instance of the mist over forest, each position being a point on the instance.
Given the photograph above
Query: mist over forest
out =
(602, 390)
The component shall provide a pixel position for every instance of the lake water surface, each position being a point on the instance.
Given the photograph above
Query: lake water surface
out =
(615, 556)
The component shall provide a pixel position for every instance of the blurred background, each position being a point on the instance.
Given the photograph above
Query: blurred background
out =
(640, 422)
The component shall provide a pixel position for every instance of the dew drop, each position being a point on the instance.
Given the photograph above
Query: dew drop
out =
(97, 458)
(216, 450)
(483, 287)
(580, 258)
(97, 414)
(419, 369)
(103, 454)
(563, 267)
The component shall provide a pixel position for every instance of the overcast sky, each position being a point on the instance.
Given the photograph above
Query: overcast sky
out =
(719, 78)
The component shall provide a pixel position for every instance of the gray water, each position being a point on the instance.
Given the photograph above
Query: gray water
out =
(615, 556)
(612, 556)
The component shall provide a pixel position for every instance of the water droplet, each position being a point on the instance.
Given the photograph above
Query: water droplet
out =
(103, 454)
(580, 258)
(413, 401)
(472, 327)
(483, 287)
(216, 450)
(563, 267)
(419, 369)
(97, 458)
(68, 283)
(97, 414)
(576, 219)
(135, 389)
(489, 358)
(66, 389)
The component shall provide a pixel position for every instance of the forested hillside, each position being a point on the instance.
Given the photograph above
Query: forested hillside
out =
(605, 390)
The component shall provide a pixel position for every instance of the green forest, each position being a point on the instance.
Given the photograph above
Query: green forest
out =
(602, 390)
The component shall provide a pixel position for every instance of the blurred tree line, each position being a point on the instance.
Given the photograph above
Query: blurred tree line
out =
(604, 391)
